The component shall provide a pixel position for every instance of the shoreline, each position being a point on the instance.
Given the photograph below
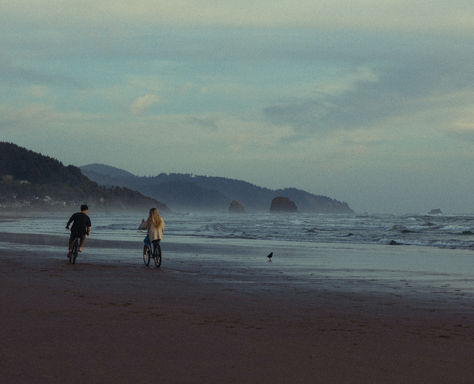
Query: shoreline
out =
(363, 269)
(202, 320)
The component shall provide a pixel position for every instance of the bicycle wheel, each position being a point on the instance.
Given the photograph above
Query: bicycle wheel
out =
(146, 255)
(157, 255)
(75, 250)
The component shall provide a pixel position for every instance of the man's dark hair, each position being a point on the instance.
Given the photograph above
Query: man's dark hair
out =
(84, 207)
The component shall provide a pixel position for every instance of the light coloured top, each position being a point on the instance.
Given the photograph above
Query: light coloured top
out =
(154, 233)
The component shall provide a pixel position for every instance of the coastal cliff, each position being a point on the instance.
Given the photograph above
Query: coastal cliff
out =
(193, 192)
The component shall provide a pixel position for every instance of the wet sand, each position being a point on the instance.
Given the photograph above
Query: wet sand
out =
(201, 321)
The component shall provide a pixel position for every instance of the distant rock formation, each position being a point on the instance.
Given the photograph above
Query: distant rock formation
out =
(283, 204)
(236, 207)
(190, 192)
(436, 211)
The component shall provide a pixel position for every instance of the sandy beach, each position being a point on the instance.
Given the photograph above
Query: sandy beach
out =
(197, 320)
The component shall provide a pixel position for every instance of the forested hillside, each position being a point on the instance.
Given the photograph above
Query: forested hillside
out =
(29, 179)
(190, 192)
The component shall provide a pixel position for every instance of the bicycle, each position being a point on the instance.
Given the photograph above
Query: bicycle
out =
(74, 250)
(154, 253)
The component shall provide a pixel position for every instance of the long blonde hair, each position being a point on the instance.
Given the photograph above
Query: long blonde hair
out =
(155, 218)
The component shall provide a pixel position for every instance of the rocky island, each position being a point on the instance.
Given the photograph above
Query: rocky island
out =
(188, 192)
(283, 204)
(236, 207)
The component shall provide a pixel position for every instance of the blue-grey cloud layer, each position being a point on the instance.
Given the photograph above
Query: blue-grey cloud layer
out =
(330, 97)
(407, 76)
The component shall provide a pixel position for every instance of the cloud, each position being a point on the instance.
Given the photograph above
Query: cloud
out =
(28, 115)
(412, 78)
(143, 103)
(11, 74)
(464, 129)
(38, 91)
(350, 101)
(362, 14)
(33, 119)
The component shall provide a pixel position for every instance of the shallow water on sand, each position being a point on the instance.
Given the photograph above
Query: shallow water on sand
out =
(223, 243)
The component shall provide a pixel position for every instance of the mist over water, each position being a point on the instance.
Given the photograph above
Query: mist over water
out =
(441, 231)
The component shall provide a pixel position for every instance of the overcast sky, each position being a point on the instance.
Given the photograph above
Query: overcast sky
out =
(370, 102)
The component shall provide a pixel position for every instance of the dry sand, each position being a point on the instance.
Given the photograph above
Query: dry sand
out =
(101, 322)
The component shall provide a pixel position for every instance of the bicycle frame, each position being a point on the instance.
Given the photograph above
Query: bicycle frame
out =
(74, 250)
(152, 251)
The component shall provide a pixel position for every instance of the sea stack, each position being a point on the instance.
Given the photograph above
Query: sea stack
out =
(236, 207)
(283, 204)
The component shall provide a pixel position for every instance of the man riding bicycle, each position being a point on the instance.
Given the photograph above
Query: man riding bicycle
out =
(80, 228)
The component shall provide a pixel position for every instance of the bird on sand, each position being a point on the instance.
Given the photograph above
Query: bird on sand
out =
(270, 255)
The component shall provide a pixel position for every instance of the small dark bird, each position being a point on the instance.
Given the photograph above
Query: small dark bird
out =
(270, 256)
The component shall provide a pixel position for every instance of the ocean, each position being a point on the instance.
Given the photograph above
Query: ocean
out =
(440, 231)
(410, 254)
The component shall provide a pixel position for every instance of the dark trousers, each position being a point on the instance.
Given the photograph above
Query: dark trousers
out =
(156, 244)
(73, 237)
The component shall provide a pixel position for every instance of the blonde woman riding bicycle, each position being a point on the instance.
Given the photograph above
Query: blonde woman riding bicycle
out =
(154, 225)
